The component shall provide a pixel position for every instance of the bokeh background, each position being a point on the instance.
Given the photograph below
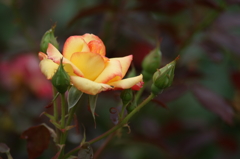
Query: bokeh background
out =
(196, 118)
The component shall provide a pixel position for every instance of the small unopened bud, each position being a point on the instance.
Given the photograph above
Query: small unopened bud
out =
(131, 106)
(61, 80)
(126, 96)
(163, 78)
(47, 38)
(150, 63)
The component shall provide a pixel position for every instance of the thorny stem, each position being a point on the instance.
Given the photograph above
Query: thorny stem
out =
(55, 108)
(115, 128)
(69, 120)
(55, 113)
(123, 111)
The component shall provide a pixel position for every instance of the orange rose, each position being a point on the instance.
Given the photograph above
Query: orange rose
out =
(89, 70)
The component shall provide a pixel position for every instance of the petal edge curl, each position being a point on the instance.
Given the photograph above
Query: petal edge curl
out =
(74, 44)
(92, 40)
(126, 83)
(87, 86)
(112, 72)
(125, 63)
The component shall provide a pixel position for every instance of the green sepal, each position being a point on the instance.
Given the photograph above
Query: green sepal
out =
(61, 80)
(92, 104)
(74, 96)
(47, 38)
(84, 137)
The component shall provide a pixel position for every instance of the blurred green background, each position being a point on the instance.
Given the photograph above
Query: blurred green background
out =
(196, 118)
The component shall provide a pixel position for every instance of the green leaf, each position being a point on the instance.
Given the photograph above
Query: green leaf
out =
(73, 97)
(93, 103)
(85, 152)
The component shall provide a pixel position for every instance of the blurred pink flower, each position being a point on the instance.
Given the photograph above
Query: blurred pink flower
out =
(23, 70)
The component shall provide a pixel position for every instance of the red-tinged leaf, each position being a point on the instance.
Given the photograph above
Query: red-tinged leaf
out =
(213, 102)
(38, 138)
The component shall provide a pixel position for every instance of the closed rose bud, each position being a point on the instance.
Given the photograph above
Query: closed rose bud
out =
(131, 107)
(61, 80)
(163, 78)
(150, 63)
(126, 96)
(47, 38)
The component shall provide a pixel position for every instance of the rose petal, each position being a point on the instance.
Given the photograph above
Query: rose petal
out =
(53, 53)
(74, 44)
(42, 56)
(88, 86)
(56, 56)
(95, 44)
(125, 63)
(126, 83)
(69, 69)
(97, 47)
(90, 64)
(75, 68)
(137, 86)
(112, 72)
(48, 67)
